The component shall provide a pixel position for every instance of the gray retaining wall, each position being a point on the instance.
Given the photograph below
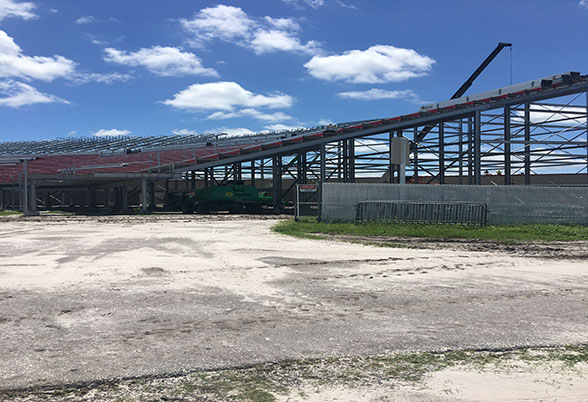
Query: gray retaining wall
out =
(506, 204)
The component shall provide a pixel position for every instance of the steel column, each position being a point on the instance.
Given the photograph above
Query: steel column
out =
(507, 147)
(477, 148)
(33, 200)
(460, 152)
(442, 153)
(25, 196)
(351, 160)
(391, 167)
(143, 195)
(415, 156)
(277, 180)
(323, 162)
(527, 160)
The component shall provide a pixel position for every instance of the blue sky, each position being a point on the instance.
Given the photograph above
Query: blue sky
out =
(147, 67)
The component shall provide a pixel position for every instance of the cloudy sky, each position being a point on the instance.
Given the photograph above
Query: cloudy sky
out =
(147, 67)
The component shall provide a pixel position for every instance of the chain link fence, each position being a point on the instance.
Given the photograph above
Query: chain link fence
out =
(505, 204)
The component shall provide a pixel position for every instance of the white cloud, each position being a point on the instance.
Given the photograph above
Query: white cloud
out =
(267, 41)
(282, 127)
(379, 94)
(298, 3)
(86, 19)
(225, 96)
(185, 131)
(562, 115)
(163, 61)
(378, 64)
(262, 35)
(224, 22)
(110, 133)
(346, 5)
(13, 63)
(287, 24)
(106, 78)
(256, 114)
(10, 8)
(235, 132)
(20, 94)
(583, 3)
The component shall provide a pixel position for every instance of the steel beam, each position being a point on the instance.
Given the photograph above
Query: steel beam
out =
(527, 162)
(507, 146)
(441, 153)
(477, 148)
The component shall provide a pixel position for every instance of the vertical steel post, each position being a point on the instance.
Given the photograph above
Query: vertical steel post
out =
(477, 148)
(391, 166)
(351, 160)
(277, 180)
(33, 200)
(507, 147)
(144, 195)
(460, 152)
(124, 198)
(25, 197)
(441, 153)
(253, 173)
(415, 156)
(527, 144)
(152, 195)
(587, 137)
(323, 161)
(470, 151)
(345, 161)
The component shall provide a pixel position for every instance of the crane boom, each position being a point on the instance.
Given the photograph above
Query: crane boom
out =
(466, 85)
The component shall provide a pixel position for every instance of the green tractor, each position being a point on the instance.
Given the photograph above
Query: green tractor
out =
(235, 198)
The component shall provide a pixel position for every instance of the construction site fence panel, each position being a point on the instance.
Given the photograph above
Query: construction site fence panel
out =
(505, 204)
(453, 213)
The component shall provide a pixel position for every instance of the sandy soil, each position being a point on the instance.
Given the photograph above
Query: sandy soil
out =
(83, 299)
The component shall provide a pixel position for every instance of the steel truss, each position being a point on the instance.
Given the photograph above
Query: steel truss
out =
(504, 141)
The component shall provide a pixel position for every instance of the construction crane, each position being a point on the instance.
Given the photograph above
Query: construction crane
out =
(466, 85)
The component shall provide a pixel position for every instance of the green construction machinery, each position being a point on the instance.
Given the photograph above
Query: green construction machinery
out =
(235, 198)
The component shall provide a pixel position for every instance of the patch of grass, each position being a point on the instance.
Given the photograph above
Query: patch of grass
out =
(503, 233)
(263, 382)
(9, 212)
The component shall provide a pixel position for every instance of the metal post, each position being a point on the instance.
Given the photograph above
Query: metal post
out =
(323, 161)
(193, 180)
(25, 197)
(587, 137)
(345, 161)
(470, 151)
(477, 148)
(415, 156)
(460, 152)
(277, 180)
(527, 144)
(441, 153)
(124, 198)
(253, 173)
(152, 195)
(33, 201)
(507, 147)
(144, 195)
(391, 166)
(351, 160)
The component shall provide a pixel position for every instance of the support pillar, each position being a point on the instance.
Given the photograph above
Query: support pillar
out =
(25, 187)
(323, 161)
(470, 151)
(477, 148)
(253, 173)
(33, 201)
(460, 153)
(124, 199)
(144, 195)
(277, 181)
(391, 167)
(345, 161)
(351, 160)
(441, 153)
(527, 158)
(415, 156)
(507, 147)
(151, 189)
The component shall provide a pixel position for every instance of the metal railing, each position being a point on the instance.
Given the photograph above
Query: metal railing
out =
(454, 213)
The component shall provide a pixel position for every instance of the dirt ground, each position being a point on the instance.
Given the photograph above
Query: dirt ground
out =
(98, 298)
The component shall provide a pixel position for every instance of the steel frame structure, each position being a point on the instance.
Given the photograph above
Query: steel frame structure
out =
(511, 138)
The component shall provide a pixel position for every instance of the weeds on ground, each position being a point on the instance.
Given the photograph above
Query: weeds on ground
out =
(502, 233)
(262, 383)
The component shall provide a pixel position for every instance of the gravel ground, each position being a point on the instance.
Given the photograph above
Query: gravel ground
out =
(101, 298)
